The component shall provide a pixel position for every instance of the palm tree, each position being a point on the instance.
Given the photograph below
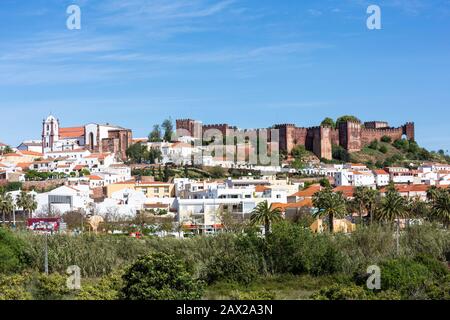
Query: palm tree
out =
(441, 207)
(432, 193)
(263, 214)
(10, 207)
(393, 207)
(360, 198)
(416, 208)
(372, 202)
(27, 202)
(6, 206)
(329, 204)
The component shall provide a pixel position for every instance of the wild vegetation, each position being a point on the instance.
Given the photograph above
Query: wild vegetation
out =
(238, 262)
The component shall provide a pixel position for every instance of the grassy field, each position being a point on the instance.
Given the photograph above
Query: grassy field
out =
(278, 287)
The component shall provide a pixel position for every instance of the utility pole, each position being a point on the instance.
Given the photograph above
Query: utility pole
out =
(398, 237)
(46, 254)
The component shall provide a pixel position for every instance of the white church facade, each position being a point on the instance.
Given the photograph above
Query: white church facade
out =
(93, 137)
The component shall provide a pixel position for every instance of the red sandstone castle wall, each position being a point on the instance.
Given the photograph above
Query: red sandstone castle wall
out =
(368, 135)
(350, 136)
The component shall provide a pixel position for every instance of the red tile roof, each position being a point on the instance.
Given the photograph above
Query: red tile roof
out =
(348, 191)
(30, 153)
(74, 132)
(95, 178)
(309, 192)
(259, 188)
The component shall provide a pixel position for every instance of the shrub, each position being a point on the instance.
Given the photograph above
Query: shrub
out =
(12, 252)
(49, 287)
(383, 149)
(366, 246)
(401, 144)
(342, 292)
(231, 267)
(294, 249)
(13, 287)
(253, 295)
(386, 139)
(107, 288)
(160, 276)
(426, 239)
(374, 145)
(406, 276)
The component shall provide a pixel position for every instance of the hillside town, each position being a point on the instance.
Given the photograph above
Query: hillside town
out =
(93, 170)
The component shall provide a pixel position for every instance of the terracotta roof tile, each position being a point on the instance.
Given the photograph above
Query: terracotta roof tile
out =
(74, 132)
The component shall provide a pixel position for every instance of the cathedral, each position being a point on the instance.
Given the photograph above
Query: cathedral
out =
(96, 138)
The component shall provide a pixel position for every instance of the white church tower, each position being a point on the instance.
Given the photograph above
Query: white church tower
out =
(50, 133)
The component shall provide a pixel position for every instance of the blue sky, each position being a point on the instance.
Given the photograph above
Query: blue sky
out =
(251, 63)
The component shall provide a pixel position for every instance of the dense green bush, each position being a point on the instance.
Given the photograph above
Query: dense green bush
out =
(343, 292)
(294, 249)
(48, 287)
(383, 149)
(426, 239)
(407, 276)
(231, 267)
(160, 276)
(12, 252)
(13, 287)
(366, 246)
(107, 288)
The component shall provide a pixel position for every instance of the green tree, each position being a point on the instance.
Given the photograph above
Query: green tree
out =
(386, 139)
(347, 118)
(360, 198)
(6, 150)
(372, 202)
(329, 204)
(217, 172)
(154, 155)
(85, 172)
(6, 206)
(328, 122)
(433, 193)
(160, 276)
(168, 129)
(155, 135)
(393, 207)
(12, 252)
(27, 202)
(265, 215)
(374, 144)
(441, 208)
(137, 153)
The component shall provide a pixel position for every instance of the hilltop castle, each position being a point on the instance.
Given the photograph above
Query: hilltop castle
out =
(351, 135)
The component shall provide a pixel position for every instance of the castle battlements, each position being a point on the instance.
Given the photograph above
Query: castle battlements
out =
(352, 135)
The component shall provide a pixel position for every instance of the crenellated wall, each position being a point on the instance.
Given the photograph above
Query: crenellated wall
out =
(368, 135)
(351, 135)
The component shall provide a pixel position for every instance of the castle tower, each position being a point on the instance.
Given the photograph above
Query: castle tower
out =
(50, 133)
(409, 130)
(350, 136)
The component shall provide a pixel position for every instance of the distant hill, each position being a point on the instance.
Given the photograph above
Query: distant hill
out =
(401, 152)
